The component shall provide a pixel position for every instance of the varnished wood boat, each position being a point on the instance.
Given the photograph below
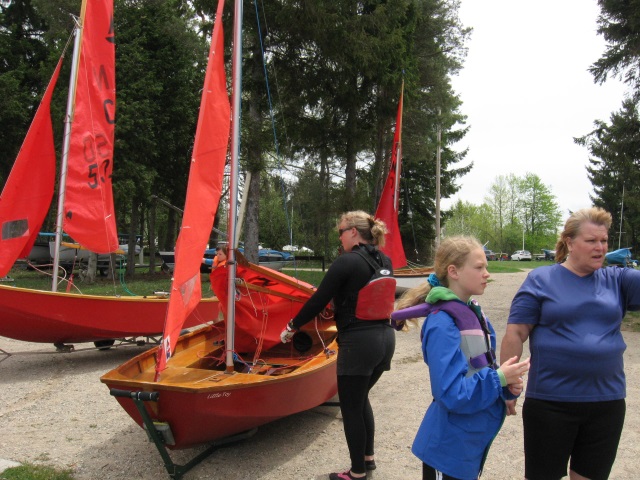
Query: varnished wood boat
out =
(409, 277)
(201, 400)
(234, 375)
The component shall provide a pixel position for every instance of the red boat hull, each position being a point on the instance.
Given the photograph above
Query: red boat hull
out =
(48, 317)
(201, 405)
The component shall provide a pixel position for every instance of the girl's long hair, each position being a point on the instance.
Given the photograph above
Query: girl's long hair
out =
(452, 251)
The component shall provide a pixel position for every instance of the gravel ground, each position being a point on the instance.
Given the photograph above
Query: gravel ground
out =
(55, 411)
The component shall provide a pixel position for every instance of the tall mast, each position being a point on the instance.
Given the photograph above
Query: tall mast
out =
(66, 143)
(236, 90)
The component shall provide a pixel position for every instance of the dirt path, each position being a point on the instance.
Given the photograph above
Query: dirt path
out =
(54, 410)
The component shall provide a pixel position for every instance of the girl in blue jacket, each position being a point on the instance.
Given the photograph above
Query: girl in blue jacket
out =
(458, 344)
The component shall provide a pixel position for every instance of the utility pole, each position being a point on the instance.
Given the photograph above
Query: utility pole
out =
(621, 213)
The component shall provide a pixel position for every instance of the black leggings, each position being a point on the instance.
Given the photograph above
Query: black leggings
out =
(357, 416)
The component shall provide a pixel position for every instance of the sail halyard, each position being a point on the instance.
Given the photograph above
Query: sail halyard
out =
(28, 191)
(204, 190)
(388, 207)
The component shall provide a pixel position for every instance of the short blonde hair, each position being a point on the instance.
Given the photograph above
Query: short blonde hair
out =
(595, 215)
(371, 229)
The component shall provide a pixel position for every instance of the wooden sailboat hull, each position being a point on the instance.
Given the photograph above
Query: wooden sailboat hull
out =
(48, 317)
(407, 278)
(201, 403)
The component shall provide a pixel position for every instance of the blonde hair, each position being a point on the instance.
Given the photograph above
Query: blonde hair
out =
(595, 215)
(370, 229)
(452, 251)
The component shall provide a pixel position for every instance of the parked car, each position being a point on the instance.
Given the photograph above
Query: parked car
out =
(549, 254)
(490, 255)
(521, 255)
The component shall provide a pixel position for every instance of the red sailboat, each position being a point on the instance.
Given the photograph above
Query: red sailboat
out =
(235, 375)
(407, 276)
(85, 204)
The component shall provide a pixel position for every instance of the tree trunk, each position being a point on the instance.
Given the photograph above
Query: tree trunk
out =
(351, 151)
(152, 237)
(92, 265)
(252, 228)
(131, 244)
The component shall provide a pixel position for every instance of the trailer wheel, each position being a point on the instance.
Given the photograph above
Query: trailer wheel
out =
(104, 344)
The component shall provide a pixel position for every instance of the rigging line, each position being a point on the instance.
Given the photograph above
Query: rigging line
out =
(275, 76)
(273, 125)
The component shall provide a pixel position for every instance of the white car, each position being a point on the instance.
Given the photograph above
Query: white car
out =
(521, 255)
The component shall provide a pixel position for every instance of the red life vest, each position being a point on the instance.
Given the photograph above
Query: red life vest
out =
(377, 297)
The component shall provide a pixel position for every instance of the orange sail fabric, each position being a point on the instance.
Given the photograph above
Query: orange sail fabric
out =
(260, 313)
(203, 193)
(390, 199)
(89, 216)
(27, 195)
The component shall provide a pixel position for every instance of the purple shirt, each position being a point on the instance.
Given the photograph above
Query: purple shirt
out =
(576, 345)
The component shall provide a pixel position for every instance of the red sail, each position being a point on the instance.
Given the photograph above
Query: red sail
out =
(88, 209)
(389, 200)
(276, 296)
(203, 193)
(26, 196)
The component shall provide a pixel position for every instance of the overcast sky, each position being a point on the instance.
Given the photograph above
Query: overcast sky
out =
(527, 92)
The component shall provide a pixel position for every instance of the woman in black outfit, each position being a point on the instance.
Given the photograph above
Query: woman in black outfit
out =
(365, 346)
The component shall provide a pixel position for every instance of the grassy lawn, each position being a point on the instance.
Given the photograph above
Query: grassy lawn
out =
(35, 472)
(510, 266)
(146, 283)
(143, 283)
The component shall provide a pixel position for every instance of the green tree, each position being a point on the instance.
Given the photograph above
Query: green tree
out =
(614, 147)
(614, 171)
(516, 211)
(24, 75)
(437, 52)
(619, 24)
(335, 69)
(499, 199)
(539, 212)
(159, 72)
(466, 218)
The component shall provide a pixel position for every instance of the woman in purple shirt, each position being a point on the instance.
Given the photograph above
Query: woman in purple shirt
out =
(571, 313)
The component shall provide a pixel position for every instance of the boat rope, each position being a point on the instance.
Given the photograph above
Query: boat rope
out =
(62, 279)
(263, 331)
(121, 276)
(288, 222)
